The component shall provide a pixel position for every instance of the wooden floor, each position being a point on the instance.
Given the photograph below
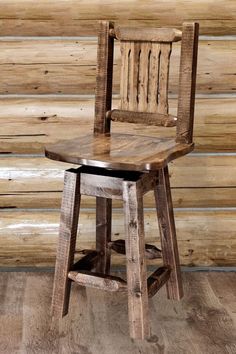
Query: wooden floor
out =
(203, 322)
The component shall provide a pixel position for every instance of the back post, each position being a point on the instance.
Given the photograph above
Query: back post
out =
(103, 93)
(187, 83)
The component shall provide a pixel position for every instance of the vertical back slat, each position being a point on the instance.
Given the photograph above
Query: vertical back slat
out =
(143, 81)
(125, 75)
(104, 77)
(187, 82)
(145, 76)
(134, 75)
(153, 77)
(165, 49)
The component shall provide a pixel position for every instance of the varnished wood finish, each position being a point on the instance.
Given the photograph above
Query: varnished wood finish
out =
(103, 99)
(98, 280)
(156, 119)
(163, 85)
(104, 77)
(157, 279)
(119, 151)
(66, 243)
(151, 251)
(144, 89)
(168, 234)
(136, 264)
(144, 76)
(144, 70)
(98, 186)
(187, 83)
(103, 233)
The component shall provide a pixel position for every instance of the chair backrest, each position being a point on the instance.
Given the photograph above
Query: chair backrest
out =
(145, 59)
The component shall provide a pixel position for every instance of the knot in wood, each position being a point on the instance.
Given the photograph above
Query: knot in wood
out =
(138, 294)
(133, 224)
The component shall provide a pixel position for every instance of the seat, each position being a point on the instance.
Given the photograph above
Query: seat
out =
(119, 151)
(125, 166)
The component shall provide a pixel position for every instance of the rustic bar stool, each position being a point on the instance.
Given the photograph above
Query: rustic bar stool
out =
(125, 166)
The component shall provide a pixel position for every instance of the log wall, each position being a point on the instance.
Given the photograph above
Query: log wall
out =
(48, 67)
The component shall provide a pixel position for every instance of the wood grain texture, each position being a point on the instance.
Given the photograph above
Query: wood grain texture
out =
(98, 280)
(118, 151)
(146, 35)
(187, 83)
(98, 186)
(205, 317)
(46, 75)
(70, 18)
(169, 246)
(154, 62)
(157, 279)
(138, 309)
(182, 198)
(69, 66)
(104, 77)
(66, 243)
(163, 85)
(103, 233)
(156, 119)
(144, 67)
(135, 48)
(30, 123)
(224, 292)
(197, 181)
(29, 238)
(125, 74)
(198, 307)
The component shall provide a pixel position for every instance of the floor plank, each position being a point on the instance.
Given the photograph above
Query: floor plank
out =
(203, 322)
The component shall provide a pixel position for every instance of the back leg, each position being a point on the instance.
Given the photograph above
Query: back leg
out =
(166, 221)
(66, 244)
(103, 233)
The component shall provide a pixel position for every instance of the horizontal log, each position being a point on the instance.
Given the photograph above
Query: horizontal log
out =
(28, 124)
(21, 174)
(73, 17)
(69, 67)
(157, 279)
(29, 238)
(98, 281)
(197, 181)
(182, 198)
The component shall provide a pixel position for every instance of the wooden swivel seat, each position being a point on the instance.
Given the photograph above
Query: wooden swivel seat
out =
(125, 166)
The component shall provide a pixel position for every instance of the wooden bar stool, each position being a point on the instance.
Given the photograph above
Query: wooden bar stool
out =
(125, 166)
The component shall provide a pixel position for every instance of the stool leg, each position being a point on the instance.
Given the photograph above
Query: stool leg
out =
(166, 221)
(136, 262)
(66, 243)
(103, 233)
